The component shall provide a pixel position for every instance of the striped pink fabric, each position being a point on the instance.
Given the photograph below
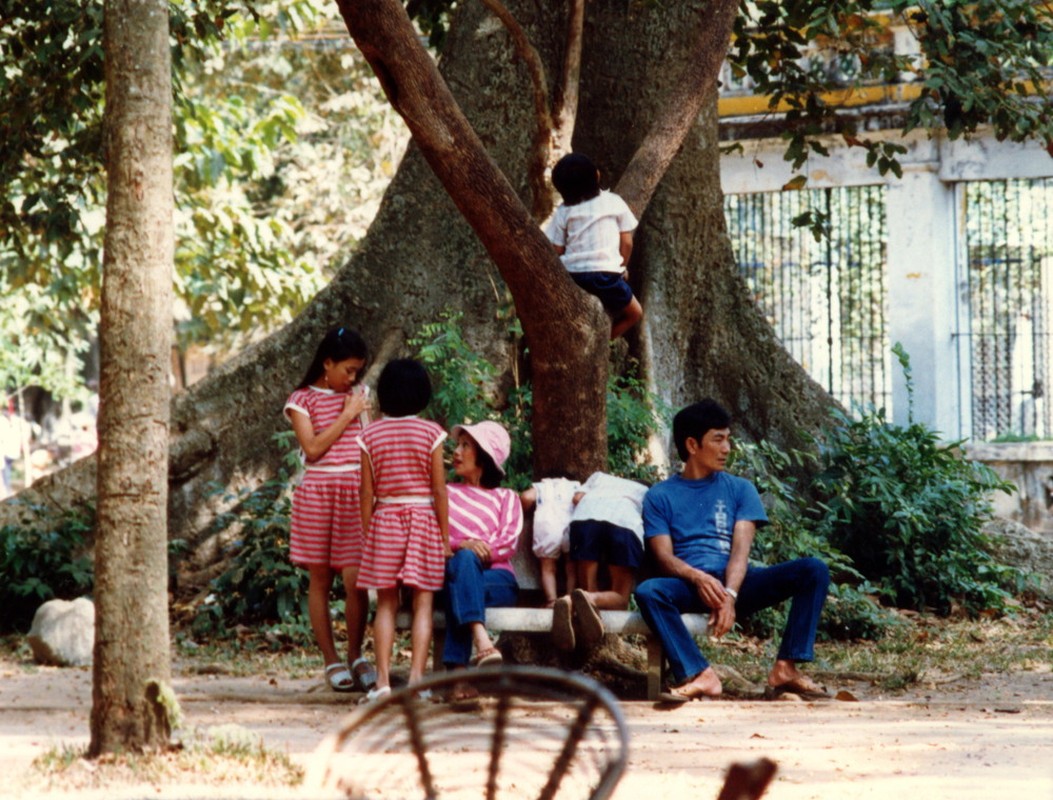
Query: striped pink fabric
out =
(323, 406)
(403, 543)
(400, 450)
(327, 520)
(494, 516)
(326, 513)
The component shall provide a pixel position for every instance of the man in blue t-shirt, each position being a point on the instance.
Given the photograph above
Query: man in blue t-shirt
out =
(698, 527)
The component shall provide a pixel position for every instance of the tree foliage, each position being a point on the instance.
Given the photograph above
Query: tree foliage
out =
(263, 185)
(252, 159)
(979, 62)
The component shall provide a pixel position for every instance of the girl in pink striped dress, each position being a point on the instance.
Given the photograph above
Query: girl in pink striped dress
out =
(404, 513)
(327, 412)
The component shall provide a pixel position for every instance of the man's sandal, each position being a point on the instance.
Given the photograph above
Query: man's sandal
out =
(364, 674)
(678, 695)
(339, 677)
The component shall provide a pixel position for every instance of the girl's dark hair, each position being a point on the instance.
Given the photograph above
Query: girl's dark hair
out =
(576, 179)
(404, 388)
(339, 344)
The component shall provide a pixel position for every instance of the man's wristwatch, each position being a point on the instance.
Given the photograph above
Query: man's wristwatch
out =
(732, 592)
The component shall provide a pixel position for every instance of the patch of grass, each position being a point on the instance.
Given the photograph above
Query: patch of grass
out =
(924, 649)
(222, 755)
(247, 657)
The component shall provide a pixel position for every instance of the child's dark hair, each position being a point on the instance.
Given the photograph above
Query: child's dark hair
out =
(576, 179)
(693, 421)
(403, 388)
(339, 344)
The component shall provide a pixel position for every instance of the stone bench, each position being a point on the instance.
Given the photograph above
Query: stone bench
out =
(539, 620)
(523, 619)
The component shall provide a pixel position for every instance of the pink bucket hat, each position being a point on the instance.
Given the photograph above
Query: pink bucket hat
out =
(492, 439)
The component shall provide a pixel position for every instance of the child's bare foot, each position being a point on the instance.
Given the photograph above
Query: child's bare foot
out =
(562, 624)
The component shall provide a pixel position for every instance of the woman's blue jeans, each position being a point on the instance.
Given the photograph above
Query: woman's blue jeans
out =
(471, 589)
(663, 600)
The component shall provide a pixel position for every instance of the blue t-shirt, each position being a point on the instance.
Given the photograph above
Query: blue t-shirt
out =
(700, 516)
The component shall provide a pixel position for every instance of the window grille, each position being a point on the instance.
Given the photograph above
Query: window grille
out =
(1006, 297)
(826, 300)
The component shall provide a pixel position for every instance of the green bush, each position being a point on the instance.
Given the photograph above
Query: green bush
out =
(41, 562)
(849, 613)
(893, 511)
(909, 511)
(465, 388)
(259, 583)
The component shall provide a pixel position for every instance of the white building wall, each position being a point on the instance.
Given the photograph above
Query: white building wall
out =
(923, 248)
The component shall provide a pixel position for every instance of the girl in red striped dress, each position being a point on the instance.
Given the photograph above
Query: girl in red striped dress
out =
(404, 513)
(327, 411)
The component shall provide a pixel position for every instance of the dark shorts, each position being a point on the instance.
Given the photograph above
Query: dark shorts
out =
(591, 540)
(610, 287)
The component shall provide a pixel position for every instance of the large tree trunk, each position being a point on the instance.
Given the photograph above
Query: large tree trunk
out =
(131, 661)
(702, 335)
(567, 343)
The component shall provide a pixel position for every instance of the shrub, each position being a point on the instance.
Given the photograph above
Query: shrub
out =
(909, 511)
(259, 583)
(465, 388)
(42, 563)
(849, 613)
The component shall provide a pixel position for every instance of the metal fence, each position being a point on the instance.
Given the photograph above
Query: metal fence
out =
(1006, 308)
(826, 300)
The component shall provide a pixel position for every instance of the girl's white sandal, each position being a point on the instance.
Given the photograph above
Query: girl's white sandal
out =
(375, 694)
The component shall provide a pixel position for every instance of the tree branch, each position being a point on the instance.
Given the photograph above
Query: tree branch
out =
(681, 109)
(565, 104)
(566, 330)
(541, 201)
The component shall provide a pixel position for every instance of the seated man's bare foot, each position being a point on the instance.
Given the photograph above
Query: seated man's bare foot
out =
(704, 686)
(785, 678)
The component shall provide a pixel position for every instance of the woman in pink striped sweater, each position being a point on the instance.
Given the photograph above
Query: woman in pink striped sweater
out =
(485, 523)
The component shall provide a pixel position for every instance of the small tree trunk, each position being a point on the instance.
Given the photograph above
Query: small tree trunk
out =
(131, 660)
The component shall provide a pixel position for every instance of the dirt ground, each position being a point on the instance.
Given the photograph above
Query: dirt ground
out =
(979, 739)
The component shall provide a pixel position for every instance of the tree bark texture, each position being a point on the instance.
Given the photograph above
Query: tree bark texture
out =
(131, 660)
(568, 349)
(701, 336)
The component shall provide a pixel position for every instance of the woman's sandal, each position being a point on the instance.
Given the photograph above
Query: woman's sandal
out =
(364, 674)
(339, 677)
(490, 657)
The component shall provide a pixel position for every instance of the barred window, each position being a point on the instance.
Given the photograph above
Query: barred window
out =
(1006, 308)
(827, 299)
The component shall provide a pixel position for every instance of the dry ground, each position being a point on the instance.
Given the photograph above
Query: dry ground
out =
(977, 739)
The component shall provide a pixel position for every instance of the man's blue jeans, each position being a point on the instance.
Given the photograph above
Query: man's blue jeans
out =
(663, 600)
(471, 589)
